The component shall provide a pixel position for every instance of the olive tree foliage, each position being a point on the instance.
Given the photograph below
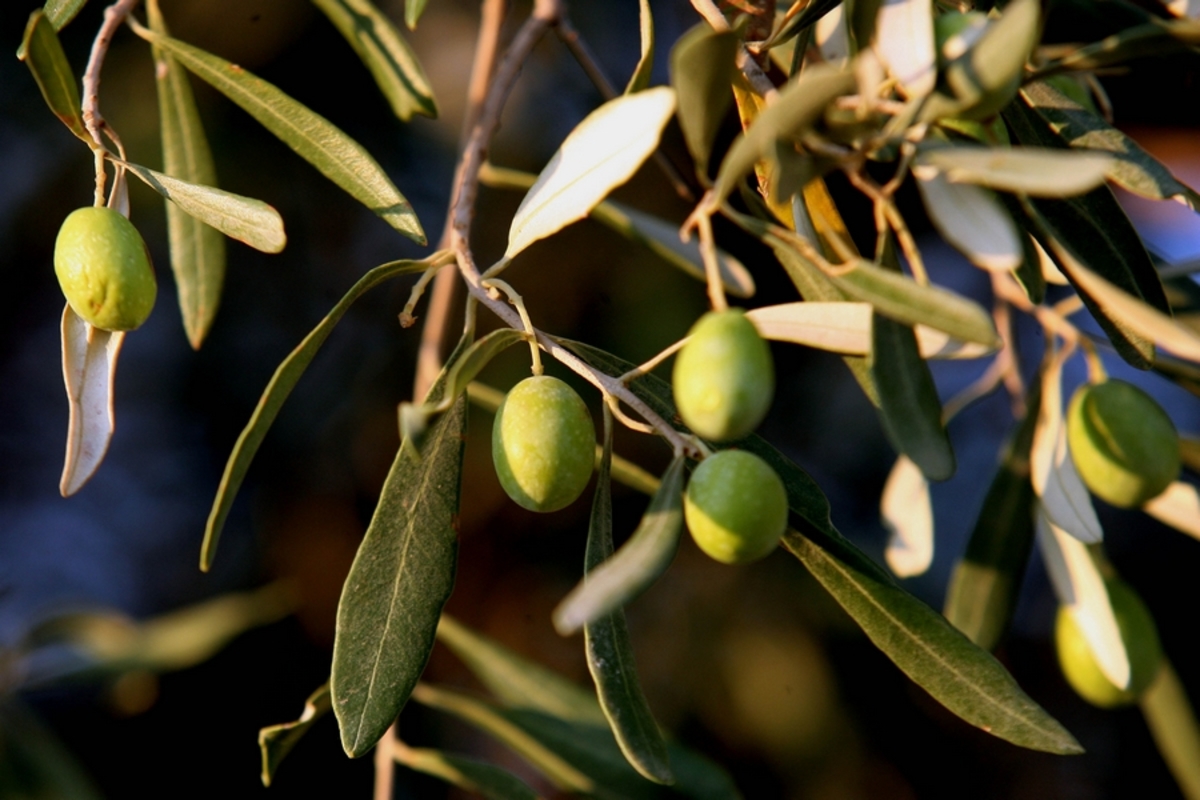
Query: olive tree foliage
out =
(1006, 140)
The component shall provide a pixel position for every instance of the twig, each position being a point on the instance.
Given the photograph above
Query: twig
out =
(545, 14)
(385, 764)
(437, 318)
(114, 15)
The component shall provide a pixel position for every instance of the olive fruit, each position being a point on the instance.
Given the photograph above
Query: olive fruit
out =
(104, 269)
(1122, 442)
(543, 444)
(724, 377)
(735, 507)
(1141, 644)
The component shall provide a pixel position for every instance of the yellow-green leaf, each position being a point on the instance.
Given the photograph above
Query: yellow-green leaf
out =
(43, 53)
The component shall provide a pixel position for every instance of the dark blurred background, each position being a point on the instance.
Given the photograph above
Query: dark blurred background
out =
(754, 666)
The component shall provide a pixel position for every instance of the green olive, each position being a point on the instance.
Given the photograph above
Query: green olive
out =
(1139, 635)
(104, 269)
(735, 506)
(1123, 444)
(543, 444)
(724, 377)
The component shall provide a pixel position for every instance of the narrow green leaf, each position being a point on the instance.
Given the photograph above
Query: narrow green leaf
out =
(286, 376)
(487, 780)
(641, 73)
(986, 581)
(567, 717)
(702, 71)
(385, 53)
(60, 12)
(413, 9)
(1133, 169)
(909, 407)
(799, 106)
(961, 676)
(904, 300)
(314, 138)
(1155, 38)
(1035, 171)
(242, 218)
(399, 581)
(601, 153)
(197, 249)
(1172, 721)
(276, 741)
(43, 53)
(33, 762)
(636, 566)
(813, 285)
(610, 650)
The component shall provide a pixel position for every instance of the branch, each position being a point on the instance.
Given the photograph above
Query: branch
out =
(114, 15)
(545, 14)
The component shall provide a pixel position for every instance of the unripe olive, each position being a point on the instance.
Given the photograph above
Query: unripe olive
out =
(724, 377)
(735, 507)
(1139, 635)
(104, 269)
(543, 444)
(1123, 444)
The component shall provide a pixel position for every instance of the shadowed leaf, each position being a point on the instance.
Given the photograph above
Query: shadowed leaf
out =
(89, 369)
(487, 780)
(43, 53)
(276, 741)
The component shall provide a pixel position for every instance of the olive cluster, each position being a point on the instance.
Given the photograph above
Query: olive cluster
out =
(543, 440)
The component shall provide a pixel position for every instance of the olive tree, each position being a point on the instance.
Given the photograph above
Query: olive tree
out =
(1009, 144)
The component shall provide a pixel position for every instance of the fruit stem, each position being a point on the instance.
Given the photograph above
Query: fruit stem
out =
(712, 267)
(647, 367)
(114, 15)
(516, 300)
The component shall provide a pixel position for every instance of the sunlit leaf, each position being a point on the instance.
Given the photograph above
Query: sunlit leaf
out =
(383, 50)
(1080, 588)
(276, 741)
(286, 376)
(809, 15)
(314, 138)
(1132, 169)
(242, 218)
(197, 249)
(61, 12)
(1179, 507)
(478, 777)
(641, 73)
(798, 107)
(986, 581)
(609, 648)
(1056, 481)
(909, 406)
(904, 300)
(907, 513)
(399, 581)
(89, 370)
(904, 42)
(831, 35)
(1035, 171)
(702, 70)
(971, 219)
(600, 154)
(413, 9)
(43, 53)
(634, 567)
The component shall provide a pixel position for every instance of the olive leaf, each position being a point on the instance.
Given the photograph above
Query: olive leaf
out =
(478, 777)
(1080, 588)
(401, 577)
(610, 650)
(601, 153)
(60, 12)
(43, 53)
(986, 581)
(702, 70)
(276, 741)
(1172, 721)
(640, 79)
(971, 219)
(1035, 171)
(311, 136)
(1178, 506)
(909, 406)
(89, 371)
(904, 42)
(197, 249)
(413, 9)
(34, 762)
(907, 513)
(383, 50)
(634, 567)
(286, 376)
